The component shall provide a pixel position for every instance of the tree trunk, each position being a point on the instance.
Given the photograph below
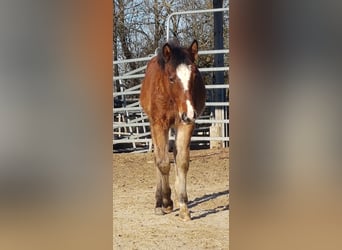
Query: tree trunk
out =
(115, 50)
(123, 34)
(156, 24)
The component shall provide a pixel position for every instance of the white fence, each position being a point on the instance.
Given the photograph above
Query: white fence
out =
(131, 131)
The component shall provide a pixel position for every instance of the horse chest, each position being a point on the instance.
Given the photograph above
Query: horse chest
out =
(164, 110)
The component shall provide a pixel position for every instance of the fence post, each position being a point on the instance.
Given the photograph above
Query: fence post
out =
(218, 78)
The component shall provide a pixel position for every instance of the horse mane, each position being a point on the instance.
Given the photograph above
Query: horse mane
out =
(179, 54)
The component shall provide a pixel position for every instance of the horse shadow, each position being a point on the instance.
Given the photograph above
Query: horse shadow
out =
(205, 198)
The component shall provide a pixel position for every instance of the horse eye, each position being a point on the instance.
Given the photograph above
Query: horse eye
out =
(172, 79)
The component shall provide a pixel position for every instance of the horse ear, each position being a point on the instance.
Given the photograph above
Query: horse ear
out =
(193, 49)
(166, 52)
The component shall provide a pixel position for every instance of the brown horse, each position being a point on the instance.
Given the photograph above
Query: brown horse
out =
(172, 95)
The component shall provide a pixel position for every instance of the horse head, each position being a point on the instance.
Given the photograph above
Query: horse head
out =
(181, 75)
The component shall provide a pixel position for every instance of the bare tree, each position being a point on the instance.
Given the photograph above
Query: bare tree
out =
(123, 32)
(141, 27)
(115, 50)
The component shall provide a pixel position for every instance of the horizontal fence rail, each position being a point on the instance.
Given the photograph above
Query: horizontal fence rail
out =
(189, 12)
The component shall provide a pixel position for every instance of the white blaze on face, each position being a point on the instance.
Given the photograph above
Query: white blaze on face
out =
(183, 72)
(190, 113)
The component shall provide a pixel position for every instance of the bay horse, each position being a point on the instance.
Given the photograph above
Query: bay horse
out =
(173, 96)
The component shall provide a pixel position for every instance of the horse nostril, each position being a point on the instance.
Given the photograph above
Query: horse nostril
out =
(184, 117)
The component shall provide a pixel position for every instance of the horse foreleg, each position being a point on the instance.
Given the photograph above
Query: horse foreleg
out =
(160, 139)
(181, 152)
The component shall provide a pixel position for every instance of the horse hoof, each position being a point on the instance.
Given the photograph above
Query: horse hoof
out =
(185, 216)
(158, 211)
(167, 210)
(184, 213)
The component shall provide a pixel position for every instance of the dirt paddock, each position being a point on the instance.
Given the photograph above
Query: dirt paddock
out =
(137, 227)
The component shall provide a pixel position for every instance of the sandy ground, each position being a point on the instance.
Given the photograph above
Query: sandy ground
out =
(137, 227)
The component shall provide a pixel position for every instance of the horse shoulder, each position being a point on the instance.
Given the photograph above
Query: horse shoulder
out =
(149, 85)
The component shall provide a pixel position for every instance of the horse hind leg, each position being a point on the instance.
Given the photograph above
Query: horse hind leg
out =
(181, 152)
(164, 204)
